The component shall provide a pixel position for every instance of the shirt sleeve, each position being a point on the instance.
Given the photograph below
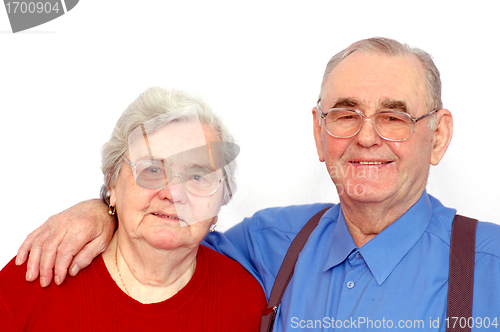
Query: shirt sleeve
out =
(260, 242)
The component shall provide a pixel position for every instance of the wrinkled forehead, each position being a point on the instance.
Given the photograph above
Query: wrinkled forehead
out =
(162, 138)
(170, 139)
(371, 78)
(181, 142)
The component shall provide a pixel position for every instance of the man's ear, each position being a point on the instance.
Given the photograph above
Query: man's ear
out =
(317, 134)
(442, 135)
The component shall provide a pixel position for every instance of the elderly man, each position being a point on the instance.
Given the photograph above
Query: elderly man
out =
(379, 259)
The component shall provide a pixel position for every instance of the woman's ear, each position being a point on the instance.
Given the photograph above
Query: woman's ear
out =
(112, 197)
(214, 224)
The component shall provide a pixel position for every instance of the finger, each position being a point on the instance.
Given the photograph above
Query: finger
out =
(77, 239)
(47, 260)
(62, 262)
(86, 255)
(33, 266)
(24, 249)
(65, 256)
(48, 256)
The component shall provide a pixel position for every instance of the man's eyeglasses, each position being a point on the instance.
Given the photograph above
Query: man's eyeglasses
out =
(390, 125)
(154, 174)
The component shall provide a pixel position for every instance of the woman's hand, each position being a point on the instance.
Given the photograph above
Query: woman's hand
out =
(70, 239)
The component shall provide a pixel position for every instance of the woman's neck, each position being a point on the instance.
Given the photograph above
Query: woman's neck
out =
(147, 274)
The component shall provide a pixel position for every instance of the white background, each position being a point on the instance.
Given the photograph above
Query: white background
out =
(64, 84)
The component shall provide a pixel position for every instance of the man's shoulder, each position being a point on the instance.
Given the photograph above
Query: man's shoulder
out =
(289, 219)
(487, 233)
(488, 238)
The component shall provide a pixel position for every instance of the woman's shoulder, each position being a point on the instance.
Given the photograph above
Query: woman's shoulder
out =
(229, 265)
(228, 270)
(232, 285)
(23, 303)
(13, 279)
(18, 297)
(12, 269)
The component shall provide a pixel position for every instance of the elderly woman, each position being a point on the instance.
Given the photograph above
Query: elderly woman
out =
(168, 169)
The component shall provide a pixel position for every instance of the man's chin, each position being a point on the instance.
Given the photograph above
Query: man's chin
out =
(364, 193)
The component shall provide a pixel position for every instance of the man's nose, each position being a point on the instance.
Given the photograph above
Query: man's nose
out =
(368, 135)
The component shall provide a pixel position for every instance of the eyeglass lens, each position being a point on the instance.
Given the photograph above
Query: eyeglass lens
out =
(389, 124)
(198, 180)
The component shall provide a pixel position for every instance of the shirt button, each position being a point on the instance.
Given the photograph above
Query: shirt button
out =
(350, 284)
(358, 255)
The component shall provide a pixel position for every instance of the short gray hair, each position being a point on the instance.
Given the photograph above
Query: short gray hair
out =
(390, 47)
(167, 106)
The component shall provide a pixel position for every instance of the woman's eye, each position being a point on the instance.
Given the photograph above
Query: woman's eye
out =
(154, 170)
(197, 177)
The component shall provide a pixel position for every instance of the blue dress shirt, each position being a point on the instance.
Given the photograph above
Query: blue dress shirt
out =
(398, 280)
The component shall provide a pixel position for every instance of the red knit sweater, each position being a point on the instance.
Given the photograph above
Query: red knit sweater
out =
(221, 296)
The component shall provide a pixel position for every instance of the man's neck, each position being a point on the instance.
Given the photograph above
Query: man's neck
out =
(367, 219)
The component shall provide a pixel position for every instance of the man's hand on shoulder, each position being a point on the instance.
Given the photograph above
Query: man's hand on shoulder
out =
(70, 239)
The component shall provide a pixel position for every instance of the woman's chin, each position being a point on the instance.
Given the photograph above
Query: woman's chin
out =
(173, 237)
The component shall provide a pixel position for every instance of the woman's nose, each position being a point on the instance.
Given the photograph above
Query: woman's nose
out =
(174, 192)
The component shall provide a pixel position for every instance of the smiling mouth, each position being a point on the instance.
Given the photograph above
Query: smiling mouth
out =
(370, 162)
(161, 215)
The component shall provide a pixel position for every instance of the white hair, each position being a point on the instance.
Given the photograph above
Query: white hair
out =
(394, 48)
(164, 106)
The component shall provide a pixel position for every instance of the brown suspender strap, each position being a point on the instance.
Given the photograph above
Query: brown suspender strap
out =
(286, 271)
(461, 277)
(461, 280)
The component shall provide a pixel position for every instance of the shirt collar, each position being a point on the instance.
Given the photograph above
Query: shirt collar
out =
(342, 242)
(384, 251)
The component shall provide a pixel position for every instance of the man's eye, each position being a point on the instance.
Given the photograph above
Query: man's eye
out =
(393, 119)
(343, 117)
(346, 117)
